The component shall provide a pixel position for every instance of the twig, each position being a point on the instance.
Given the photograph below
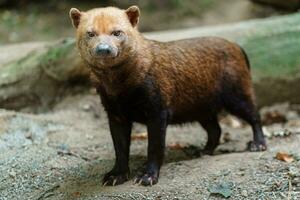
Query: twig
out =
(290, 188)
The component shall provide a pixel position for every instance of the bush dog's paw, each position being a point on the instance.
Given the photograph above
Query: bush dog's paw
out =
(146, 180)
(257, 146)
(114, 179)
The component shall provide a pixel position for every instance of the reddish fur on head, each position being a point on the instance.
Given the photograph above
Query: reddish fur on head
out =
(110, 26)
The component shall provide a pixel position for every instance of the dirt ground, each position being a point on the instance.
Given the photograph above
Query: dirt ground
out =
(64, 153)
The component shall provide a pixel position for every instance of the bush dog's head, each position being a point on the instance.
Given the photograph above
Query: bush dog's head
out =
(105, 36)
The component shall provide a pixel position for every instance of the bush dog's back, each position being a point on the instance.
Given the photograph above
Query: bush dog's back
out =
(157, 84)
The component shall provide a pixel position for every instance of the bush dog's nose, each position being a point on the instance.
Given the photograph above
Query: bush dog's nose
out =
(103, 49)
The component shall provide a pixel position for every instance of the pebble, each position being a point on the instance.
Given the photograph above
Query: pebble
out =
(244, 193)
(89, 137)
(282, 133)
(86, 107)
(28, 135)
(12, 174)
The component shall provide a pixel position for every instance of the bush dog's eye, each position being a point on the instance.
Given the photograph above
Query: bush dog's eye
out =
(91, 34)
(116, 33)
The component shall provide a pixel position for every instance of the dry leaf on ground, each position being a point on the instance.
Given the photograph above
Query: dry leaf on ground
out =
(284, 157)
(273, 117)
(176, 146)
(139, 136)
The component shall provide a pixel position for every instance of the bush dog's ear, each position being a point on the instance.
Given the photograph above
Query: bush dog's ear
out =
(133, 13)
(75, 15)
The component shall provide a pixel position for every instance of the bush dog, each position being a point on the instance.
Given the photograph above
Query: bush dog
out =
(156, 84)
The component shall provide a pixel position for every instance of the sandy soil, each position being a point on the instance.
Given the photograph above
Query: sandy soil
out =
(63, 154)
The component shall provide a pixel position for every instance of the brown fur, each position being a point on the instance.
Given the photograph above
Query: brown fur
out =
(177, 76)
(178, 66)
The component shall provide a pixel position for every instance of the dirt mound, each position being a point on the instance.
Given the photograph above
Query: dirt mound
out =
(64, 154)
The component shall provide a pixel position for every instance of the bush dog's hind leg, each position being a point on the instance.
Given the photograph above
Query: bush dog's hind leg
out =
(258, 143)
(243, 107)
(156, 128)
(213, 130)
(120, 132)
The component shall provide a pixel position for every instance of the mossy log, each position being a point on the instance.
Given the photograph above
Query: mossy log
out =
(40, 77)
(273, 46)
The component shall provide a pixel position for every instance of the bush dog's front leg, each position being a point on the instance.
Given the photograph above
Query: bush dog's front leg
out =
(156, 127)
(120, 132)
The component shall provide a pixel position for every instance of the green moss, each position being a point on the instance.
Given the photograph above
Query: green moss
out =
(23, 67)
(36, 60)
(58, 51)
(275, 55)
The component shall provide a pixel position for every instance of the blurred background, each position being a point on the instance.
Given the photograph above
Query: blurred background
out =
(27, 20)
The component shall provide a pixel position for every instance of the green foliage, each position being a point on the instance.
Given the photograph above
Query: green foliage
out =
(59, 51)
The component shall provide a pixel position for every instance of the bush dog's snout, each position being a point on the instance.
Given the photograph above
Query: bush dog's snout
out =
(103, 50)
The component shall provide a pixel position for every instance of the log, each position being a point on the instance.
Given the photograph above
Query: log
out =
(39, 78)
(273, 45)
(281, 4)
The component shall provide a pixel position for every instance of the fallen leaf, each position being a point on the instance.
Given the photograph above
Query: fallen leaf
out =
(223, 188)
(176, 146)
(139, 136)
(284, 157)
(273, 117)
(77, 194)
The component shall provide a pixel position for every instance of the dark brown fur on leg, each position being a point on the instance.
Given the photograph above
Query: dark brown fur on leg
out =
(242, 105)
(120, 132)
(156, 127)
(213, 130)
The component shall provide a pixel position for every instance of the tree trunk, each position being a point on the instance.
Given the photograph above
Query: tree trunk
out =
(273, 46)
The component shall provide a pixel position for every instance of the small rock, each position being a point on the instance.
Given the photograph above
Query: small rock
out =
(63, 147)
(86, 107)
(89, 137)
(28, 135)
(276, 132)
(244, 193)
(223, 188)
(282, 133)
(12, 174)
(227, 137)
(267, 133)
